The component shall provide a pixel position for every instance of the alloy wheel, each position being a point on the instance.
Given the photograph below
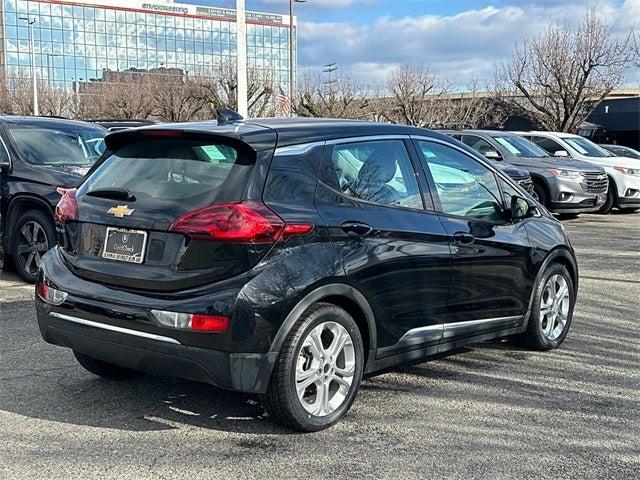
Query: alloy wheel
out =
(32, 244)
(325, 369)
(554, 307)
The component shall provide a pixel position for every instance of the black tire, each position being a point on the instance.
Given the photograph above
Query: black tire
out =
(104, 369)
(281, 400)
(26, 254)
(540, 194)
(611, 199)
(534, 337)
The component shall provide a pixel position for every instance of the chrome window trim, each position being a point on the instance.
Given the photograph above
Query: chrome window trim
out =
(302, 148)
(367, 138)
(299, 149)
(113, 328)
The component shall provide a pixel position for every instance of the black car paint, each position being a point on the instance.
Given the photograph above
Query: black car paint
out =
(386, 296)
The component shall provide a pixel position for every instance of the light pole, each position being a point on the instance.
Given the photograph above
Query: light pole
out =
(291, 60)
(30, 22)
(49, 62)
(241, 57)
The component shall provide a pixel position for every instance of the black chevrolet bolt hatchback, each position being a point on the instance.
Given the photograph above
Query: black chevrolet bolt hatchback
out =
(289, 257)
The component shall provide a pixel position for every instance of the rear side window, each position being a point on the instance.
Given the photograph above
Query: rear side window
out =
(548, 145)
(377, 171)
(198, 173)
(480, 145)
(73, 145)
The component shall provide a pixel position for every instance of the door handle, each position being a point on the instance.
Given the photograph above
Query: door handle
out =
(356, 229)
(463, 238)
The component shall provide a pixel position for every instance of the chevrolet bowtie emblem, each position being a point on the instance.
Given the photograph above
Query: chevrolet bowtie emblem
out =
(120, 211)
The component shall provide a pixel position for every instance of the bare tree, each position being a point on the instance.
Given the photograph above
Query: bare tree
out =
(56, 101)
(342, 98)
(414, 93)
(470, 108)
(635, 47)
(121, 97)
(16, 96)
(177, 99)
(557, 78)
(222, 90)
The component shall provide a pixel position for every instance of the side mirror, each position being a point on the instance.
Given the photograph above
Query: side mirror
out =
(521, 208)
(561, 153)
(493, 155)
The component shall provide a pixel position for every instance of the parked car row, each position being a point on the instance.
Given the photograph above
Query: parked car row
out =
(570, 174)
(289, 257)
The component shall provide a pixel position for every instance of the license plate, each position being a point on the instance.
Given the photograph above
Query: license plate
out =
(125, 245)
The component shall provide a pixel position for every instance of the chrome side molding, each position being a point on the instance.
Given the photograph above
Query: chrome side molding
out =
(113, 328)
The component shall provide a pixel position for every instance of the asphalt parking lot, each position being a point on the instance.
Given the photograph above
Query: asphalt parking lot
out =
(490, 411)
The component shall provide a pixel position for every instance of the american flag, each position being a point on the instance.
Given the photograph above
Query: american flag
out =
(283, 101)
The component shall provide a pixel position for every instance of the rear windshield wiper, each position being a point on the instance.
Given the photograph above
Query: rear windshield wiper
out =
(112, 192)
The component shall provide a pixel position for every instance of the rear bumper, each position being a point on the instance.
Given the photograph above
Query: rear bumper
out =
(153, 353)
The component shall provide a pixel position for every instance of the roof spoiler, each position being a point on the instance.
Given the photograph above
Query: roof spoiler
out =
(226, 116)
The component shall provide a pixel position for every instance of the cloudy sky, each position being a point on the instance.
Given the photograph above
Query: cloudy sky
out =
(460, 39)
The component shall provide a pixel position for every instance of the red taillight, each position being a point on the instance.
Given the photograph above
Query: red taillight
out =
(191, 321)
(67, 208)
(209, 323)
(42, 289)
(50, 294)
(248, 222)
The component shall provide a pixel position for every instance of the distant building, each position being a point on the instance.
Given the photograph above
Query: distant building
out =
(78, 40)
(619, 118)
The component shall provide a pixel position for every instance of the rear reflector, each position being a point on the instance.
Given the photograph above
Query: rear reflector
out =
(49, 294)
(247, 222)
(189, 321)
(67, 208)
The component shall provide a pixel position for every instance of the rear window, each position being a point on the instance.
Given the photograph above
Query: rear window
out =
(172, 169)
(58, 146)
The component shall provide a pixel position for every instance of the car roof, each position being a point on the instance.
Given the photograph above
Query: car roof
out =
(50, 122)
(262, 133)
(549, 134)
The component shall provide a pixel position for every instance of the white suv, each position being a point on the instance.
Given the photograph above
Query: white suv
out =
(623, 172)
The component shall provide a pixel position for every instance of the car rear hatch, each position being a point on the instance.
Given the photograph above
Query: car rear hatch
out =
(167, 210)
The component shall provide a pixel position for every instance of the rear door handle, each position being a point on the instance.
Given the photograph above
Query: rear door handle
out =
(463, 238)
(356, 229)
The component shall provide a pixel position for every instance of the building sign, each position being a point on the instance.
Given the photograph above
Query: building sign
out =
(229, 13)
(184, 9)
(165, 8)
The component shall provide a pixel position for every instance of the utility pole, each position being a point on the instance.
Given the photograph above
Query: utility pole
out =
(241, 56)
(34, 79)
(292, 62)
(329, 68)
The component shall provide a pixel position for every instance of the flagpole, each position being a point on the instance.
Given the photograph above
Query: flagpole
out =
(241, 56)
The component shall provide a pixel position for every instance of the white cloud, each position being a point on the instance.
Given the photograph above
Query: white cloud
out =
(463, 46)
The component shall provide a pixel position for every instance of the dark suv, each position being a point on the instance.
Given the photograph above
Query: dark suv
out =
(288, 257)
(38, 155)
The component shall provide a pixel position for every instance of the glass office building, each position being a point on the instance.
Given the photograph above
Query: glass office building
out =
(76, 41)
